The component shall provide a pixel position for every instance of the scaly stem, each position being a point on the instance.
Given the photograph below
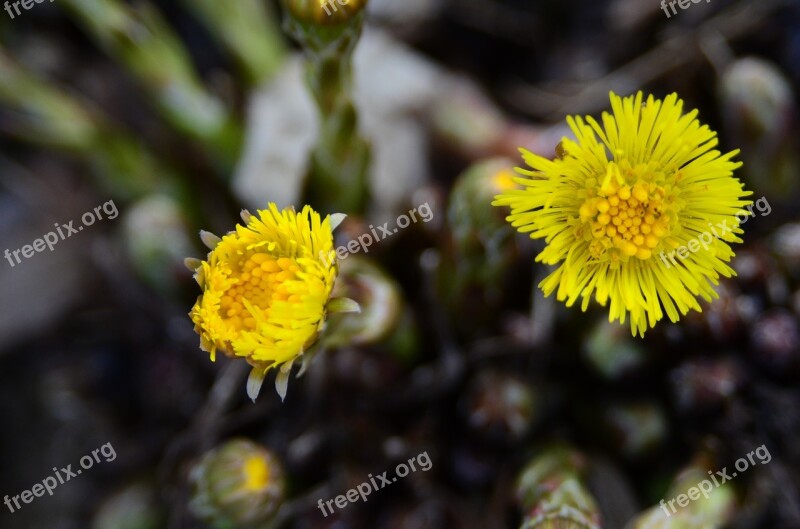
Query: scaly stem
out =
(337, 179)
(552, 493)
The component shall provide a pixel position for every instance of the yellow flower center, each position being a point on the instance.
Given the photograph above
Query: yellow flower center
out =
(256, 473)
(260, 281)
(627, 215)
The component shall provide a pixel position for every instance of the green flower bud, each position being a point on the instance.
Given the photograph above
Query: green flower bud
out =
(758, 106)
(713, 508)
(378, 296)
(480, 252)
(501, 406)
(636, 429)
(759, 97)
(237, 485)
(157, 238)
(474, 224)
(611, 350)
(552, 493)
(383, 317)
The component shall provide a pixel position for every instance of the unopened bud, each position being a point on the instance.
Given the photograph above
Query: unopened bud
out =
(157, 239)
(324, 12)
(500, 405)
(239, 484)
(552, 492)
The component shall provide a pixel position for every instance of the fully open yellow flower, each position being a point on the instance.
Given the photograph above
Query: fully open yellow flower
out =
(616, 205)
(265, 288)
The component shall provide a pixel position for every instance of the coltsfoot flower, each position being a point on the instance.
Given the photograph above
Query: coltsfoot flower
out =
(611, 209)
(266, 289)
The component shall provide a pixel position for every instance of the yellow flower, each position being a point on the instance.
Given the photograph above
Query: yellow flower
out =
(265, 289)
(638, 211)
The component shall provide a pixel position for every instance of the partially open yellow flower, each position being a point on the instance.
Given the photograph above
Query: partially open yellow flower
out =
(618, 204)
(265, 289)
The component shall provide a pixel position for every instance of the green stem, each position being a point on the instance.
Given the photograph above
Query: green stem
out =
(249, 30)
(337, 179)
(146, 45)
(45, 115)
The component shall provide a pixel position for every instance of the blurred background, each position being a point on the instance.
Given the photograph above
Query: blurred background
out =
(179, 113)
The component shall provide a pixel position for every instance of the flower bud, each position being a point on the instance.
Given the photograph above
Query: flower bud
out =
(633, 429)
(384, 316)
(157, 240)
(473, 222)
(481, 246)
(711, 510)
(239, 484)
(758, 105)
(552, 493)
(611, 350)
(324, 12)
(758, 97)
(500, 406)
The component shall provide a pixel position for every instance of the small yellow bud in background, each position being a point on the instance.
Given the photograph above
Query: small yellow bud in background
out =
(237, 484)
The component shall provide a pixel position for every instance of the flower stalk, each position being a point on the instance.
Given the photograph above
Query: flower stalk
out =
(337, 179)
